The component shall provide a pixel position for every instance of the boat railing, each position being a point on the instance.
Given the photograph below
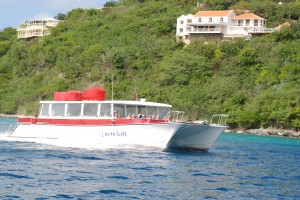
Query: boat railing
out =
(219, 119)
(11, 129)
(176, 116)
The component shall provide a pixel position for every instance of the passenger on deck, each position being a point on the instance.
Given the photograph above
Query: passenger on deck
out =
(169, 119)
(117, 115)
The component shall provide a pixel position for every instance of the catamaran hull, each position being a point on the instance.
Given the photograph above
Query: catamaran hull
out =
(195, 137)
(163, 135)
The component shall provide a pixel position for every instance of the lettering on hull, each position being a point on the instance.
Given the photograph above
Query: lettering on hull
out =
(113, 134)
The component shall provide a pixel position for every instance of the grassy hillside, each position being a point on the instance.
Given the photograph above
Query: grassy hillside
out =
(256, 81)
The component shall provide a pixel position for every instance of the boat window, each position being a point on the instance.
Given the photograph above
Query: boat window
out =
(131, 110)
(44, 109)
(58, 109)
(152, 112)
(105, 110)
(119, 110)
(90, 109)
(163, 113)
(141, 111)
(74, 109)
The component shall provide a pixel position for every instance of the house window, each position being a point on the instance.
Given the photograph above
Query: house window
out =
(240, 22)
(247, 22)
(221, 19)
(189, 20)
(186, 37)
(255, 22)
(199, 19)
(181, 30)
(181, 22)
(210, 19)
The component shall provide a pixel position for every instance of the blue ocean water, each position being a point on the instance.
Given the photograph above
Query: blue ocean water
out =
(237, 167)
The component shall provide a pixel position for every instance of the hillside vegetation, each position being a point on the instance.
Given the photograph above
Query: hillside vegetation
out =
(133, 43)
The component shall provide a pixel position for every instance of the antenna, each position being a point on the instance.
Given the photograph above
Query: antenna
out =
(112, 85)
(136, 95)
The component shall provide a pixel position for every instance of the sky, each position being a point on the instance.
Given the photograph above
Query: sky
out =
(15, 12)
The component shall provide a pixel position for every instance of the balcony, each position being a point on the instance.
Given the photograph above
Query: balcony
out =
(32, 33)
(203, 30)
(233, 36)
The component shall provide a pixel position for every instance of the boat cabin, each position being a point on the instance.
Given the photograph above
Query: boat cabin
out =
(104, 109)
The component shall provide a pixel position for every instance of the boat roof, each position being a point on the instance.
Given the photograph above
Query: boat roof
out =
(127, 102)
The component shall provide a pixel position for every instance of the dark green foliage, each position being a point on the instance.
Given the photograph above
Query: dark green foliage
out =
(110, 4)
(60, 16)
(289, 33)
(8, 34)
(220, 4)
(132, 44)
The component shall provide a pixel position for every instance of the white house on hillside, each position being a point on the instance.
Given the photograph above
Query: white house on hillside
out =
(218, 25)
(36, 27)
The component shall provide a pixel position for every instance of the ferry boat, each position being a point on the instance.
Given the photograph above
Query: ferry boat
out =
(98, 123)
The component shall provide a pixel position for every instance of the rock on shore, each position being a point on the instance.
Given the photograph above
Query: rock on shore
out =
(8, 116)
(269, 132)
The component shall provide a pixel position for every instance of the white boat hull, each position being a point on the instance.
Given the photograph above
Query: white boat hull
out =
(161, 135)
(195, 136)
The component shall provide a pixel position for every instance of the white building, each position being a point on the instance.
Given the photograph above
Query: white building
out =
(37, 27)
(217, 25)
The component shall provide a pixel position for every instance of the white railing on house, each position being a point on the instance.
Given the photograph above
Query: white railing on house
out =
(32, 33)
(203, 30)
(260, 30)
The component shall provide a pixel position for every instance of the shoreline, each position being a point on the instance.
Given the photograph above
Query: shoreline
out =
(267, 132)
(8, 116)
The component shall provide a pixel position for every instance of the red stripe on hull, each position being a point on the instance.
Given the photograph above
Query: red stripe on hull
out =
(27, 120)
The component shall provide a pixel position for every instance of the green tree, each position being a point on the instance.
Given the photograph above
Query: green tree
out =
(110, 4)
(60, 16)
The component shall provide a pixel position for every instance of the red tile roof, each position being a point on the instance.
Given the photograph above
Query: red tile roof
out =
(216, 13)
(247, 16)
